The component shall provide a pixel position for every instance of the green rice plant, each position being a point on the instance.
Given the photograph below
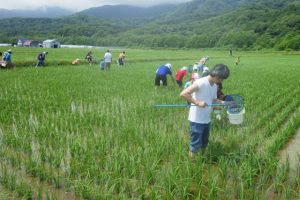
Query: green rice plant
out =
(97, 131)
(24, 190)
(281, 176)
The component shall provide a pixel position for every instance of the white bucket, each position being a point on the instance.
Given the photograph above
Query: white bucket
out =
(236, 118)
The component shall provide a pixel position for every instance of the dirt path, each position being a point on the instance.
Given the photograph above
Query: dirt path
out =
(292, 152)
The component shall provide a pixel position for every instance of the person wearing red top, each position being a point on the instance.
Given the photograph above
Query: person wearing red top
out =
(180, 74)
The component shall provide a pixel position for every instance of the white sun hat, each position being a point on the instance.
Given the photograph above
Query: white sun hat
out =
(168, 65)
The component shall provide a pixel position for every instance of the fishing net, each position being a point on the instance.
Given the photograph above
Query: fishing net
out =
(234, 103)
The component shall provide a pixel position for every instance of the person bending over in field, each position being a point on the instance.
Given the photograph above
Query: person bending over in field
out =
(6, 60)
(41, 59)
(205, 71)
(179, 76)
(121, 59)
(76, 61)
(202, 93)
(161, 75)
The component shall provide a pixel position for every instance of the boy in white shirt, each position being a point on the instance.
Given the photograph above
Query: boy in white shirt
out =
(202, 93)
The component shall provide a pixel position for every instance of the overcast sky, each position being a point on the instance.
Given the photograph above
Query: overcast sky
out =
(77, 5)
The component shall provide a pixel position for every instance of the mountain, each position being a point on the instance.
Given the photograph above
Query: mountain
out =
(243, 24)
(127, 12)
(48, 12)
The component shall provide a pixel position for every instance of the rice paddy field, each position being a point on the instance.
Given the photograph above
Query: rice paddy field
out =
(75, 132)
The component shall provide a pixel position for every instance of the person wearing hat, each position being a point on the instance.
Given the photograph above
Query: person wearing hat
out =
(161, 74)
(180, 74)
(205, 71)
(6, 59)
(202, 93)
(194, 77)
(41, 58)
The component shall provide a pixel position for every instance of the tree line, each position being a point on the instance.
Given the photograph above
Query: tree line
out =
(254, 26)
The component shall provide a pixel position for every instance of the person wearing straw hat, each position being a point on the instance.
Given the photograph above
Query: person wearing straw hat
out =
(180, 74)
(202, 93)
(161, 75)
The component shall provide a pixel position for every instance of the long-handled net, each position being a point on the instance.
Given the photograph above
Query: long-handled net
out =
(234, 104)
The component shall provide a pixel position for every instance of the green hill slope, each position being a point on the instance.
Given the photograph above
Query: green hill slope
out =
(243, 24)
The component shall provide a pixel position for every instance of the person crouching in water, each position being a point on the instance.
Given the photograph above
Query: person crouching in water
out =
(179, 76)
(202, 93)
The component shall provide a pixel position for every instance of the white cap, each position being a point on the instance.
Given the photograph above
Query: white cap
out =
(184, 68)
(205, 69)
(168, 65)
(195, 67)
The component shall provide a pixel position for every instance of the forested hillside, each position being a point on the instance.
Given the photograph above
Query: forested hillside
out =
(127, 12)
(252, 24)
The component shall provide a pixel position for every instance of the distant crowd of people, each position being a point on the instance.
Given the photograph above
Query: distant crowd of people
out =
(105, 61)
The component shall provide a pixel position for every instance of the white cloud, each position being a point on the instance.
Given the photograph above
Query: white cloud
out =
(78, 5)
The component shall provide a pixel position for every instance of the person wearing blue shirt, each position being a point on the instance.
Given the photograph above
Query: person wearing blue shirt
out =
(8, 56)
(7, 59)
(102, 64)
(161, 75)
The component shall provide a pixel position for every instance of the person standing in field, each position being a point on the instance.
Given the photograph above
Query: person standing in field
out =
(107, 59)
(161, 75)
(89, 57)
(202, 93)
(121, 58)
(237, 61)
(102, 64)
(180, 74)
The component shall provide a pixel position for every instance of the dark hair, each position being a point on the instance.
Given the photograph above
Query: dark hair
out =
(220, 71)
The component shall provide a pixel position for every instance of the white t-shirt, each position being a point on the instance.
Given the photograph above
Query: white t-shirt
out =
(207, 93)
(107, 57)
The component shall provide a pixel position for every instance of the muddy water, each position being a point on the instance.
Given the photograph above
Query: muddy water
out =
(36, 184)
(292, 152)
(7, 194)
